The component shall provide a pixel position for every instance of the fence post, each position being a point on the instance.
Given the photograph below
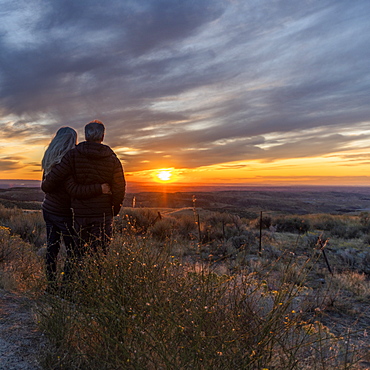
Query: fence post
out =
(260, 244)
(322, 247)
(199, 234)
(197, 219)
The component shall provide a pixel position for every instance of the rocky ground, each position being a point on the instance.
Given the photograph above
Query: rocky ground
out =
(21, 343)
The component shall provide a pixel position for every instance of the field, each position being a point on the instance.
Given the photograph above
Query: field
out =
(257, 279)
(249, 201)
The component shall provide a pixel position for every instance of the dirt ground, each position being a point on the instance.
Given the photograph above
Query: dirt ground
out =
(20, 341)
(354, 325)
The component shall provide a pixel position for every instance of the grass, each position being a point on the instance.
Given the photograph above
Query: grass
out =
(162, 300)
(147, 310)
(20, 267)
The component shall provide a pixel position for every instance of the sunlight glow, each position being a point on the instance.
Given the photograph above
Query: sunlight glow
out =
(164, 175)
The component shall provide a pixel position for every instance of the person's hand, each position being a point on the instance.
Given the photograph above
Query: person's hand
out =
(105, 188)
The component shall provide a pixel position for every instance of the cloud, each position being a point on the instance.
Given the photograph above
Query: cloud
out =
(86, 49)
(188, 83)
(9, 165)
(24, 131)
(13, 158)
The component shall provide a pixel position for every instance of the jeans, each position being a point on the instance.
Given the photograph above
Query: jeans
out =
(93, 235)
(58, 228)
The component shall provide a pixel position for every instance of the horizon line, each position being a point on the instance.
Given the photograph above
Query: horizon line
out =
(136, 186)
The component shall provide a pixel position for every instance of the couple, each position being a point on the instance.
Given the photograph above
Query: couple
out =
(84, 187)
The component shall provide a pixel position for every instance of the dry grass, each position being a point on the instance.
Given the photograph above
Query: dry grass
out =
(162, 300)
(21, 268)
(142, 308)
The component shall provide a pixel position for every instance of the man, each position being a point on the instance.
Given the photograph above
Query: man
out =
(91, 162)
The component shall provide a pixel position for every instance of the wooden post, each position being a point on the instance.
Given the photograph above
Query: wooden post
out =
(199, 234)
(194, 209)
(322, 247)
(260, 245)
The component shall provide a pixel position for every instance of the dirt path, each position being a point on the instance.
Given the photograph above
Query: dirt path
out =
(20, 341)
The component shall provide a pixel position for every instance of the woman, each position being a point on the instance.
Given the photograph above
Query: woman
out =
(56, 206)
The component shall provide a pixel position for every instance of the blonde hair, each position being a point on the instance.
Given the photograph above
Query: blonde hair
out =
(64, 140)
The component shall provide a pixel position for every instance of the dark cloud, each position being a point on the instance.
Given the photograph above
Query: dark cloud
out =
(9, 165)
(188, 83)
(178, 154)
(25, 131)
(13, 158)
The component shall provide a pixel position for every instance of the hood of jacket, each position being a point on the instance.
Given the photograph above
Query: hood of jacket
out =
(94, 150)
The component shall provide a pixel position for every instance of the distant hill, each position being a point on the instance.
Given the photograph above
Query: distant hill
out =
(21, 197)
(245, 201)
(6, 184)
(249, 203)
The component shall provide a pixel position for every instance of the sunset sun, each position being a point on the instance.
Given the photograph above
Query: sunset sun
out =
(164, 175)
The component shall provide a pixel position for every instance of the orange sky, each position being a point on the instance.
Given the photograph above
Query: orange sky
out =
(309, 171)
(219, 92)
(345, 168)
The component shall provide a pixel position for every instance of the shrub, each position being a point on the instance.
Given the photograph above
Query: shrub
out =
(163, 228)
(247, 239)
(140, 308)
(345, 227)
(326, 222)
(20, 267)
(292, 225)
(355, 283)
(30, 226)
(266, 222)
(136, 220)
(187, 227)
(221, 226)
(365, 219)
(346, 231)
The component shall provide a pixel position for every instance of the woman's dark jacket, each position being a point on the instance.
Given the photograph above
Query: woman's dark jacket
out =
(88, 164)
(58, 201)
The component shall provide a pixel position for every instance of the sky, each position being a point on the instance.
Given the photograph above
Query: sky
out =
(215, 91)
